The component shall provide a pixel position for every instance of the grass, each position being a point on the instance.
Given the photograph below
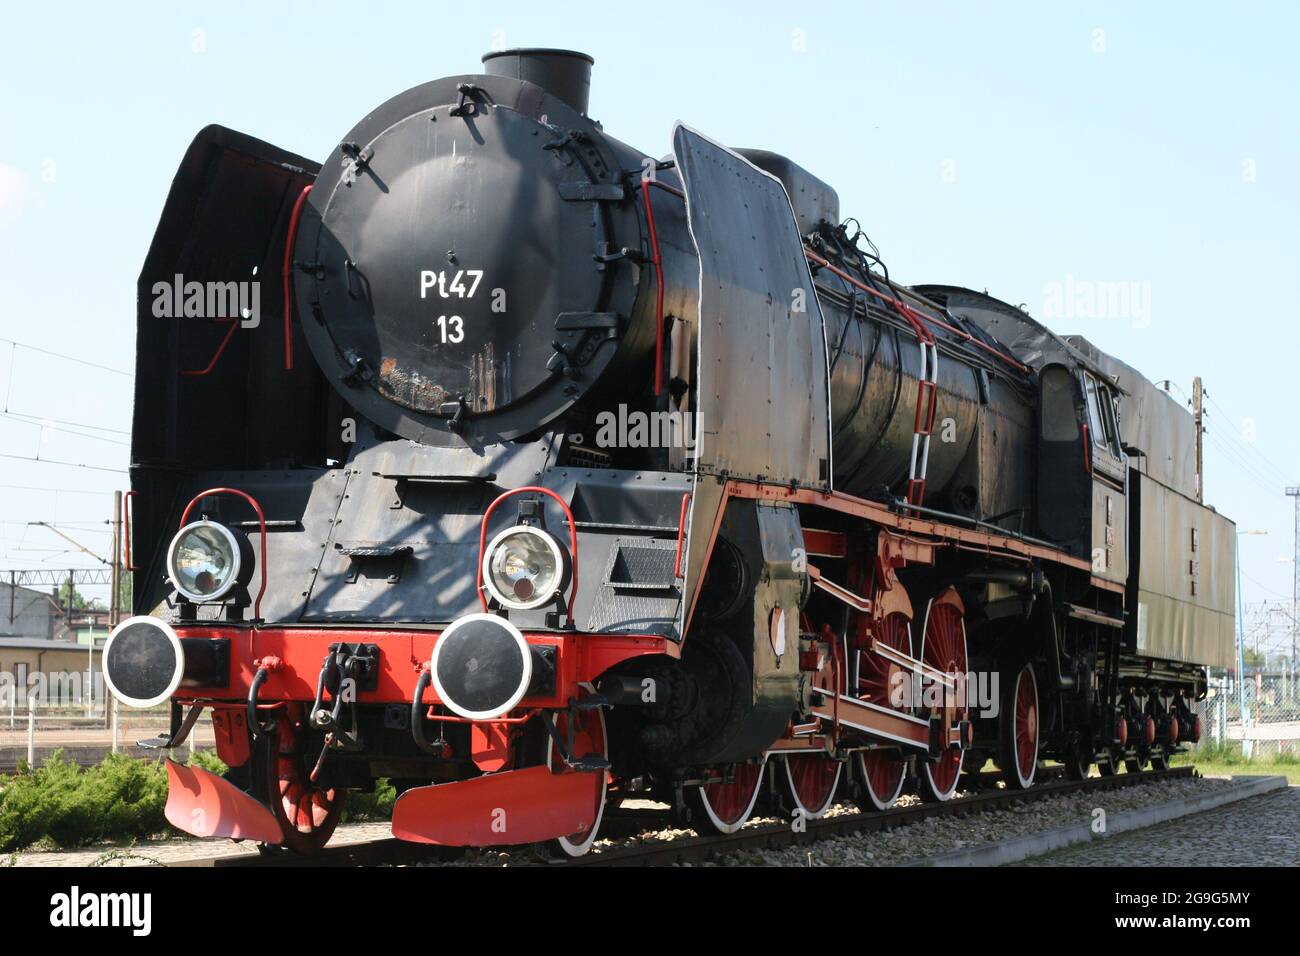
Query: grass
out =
(1227, 760)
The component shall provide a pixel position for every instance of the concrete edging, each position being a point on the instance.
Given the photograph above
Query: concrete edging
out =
(1036, 844)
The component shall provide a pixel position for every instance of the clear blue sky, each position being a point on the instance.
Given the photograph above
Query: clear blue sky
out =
(1004, 146)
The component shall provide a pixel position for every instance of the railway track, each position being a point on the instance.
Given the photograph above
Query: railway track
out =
(393, 852)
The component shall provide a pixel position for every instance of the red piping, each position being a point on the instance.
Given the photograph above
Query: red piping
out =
(286, 276)
(447, 718)
(234, 324)
(1087, 449)
(913, 316)
(657, 260)
(573, 540)
(681, 535)
(261, 522)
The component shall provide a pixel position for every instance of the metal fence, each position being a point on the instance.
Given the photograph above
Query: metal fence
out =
(32, 730)
(1262, 714)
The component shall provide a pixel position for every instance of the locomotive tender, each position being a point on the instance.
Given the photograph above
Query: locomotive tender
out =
(894, 531)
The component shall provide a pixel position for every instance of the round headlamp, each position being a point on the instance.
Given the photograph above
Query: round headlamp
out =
(524, 567)
(206, 560)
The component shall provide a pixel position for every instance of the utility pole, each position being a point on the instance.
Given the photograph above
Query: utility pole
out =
(114, 600)
(1294, 492)
(1198, 416)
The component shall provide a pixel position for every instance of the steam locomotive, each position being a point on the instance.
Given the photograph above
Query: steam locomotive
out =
(561, 474)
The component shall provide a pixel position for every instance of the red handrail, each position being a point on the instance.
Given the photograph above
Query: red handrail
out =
(681, 535)
(286, 275)
(212, 363)
(656, 259)
(261, 521)
(573, 540)
(126, 528)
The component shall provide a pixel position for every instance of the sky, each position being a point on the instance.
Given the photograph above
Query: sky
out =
(1022, 148)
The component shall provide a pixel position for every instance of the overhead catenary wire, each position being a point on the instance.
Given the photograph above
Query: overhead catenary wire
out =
(57, 491)
(45, 420)
(68, 464)
(1280, 472)
(44, 424)
(14, 346)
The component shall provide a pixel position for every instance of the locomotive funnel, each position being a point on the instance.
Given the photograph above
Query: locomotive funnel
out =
(562, 73)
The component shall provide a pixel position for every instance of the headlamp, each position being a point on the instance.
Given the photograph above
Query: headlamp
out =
(524, 568)
(206, 560)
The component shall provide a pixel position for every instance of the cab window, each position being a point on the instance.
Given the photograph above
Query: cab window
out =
(1101, 415)
(1059, 421)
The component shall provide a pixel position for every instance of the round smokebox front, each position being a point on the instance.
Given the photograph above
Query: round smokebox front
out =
(481, 666)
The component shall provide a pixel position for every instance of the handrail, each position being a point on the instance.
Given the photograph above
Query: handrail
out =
(261, 522)
(573, 540)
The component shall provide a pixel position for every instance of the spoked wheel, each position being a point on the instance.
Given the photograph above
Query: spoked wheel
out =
(307, 813)
(810, 781)
(725, 807)
(943, 647)
(1078, 762)
(589, 738)
(1020, 731)
(1159, 759)
(882, 771)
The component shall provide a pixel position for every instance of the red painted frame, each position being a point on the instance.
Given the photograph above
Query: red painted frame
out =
(300, 651)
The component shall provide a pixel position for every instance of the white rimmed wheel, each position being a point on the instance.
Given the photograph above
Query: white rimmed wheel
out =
(1019, 759)
(943, 647)
(810, 782)
(589, 738)
(726, 806)
(882, 771)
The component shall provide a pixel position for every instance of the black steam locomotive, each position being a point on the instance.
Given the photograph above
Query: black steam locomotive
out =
(559, 473)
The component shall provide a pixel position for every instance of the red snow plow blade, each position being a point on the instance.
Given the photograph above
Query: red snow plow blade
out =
(203, 804)
(515, 806)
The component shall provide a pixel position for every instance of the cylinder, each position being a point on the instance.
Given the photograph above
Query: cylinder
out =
(562, 73)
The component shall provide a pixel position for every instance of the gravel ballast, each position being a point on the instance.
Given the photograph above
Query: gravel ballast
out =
(901, 845)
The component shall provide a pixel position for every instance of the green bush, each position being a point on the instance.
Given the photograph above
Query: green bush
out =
(209, 761)
(376, 805)
(120, 798)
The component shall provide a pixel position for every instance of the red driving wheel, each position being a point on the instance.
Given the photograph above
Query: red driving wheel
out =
(882, 770)
(943, 647)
